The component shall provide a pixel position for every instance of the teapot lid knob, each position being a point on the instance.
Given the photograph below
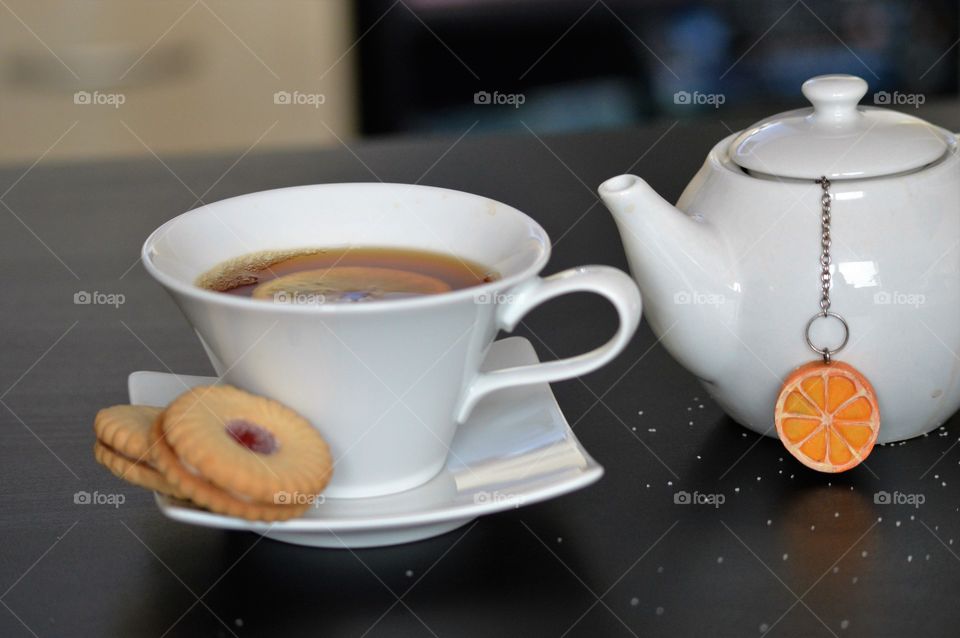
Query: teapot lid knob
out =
(834, 97)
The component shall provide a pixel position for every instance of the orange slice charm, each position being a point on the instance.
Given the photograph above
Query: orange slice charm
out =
(827, 416)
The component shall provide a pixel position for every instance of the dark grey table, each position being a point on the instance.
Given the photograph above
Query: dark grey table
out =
(789, 553)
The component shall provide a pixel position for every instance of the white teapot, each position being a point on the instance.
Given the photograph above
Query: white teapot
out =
(731, 275)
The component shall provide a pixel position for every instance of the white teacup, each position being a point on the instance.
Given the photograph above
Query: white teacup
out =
(386, 382)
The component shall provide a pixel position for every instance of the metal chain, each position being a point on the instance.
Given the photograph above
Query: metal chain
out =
(825, 211)
(825, 278)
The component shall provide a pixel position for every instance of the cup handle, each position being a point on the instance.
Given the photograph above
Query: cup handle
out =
(608, 282)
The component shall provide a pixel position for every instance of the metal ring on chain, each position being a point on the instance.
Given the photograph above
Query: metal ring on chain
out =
(826, 353)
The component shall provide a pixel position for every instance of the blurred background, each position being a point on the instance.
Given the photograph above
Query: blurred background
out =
(117, 78)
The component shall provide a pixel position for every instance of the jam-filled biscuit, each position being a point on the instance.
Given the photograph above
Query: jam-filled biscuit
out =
(250, 446)
(137, 473)
(123, 443)
(208, 495)
(126, 429)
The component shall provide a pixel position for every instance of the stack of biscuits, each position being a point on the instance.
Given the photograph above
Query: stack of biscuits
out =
(221, 448)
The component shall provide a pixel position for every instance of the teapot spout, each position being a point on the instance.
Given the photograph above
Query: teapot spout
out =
(683, 272)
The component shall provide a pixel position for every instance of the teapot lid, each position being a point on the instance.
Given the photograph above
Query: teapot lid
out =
(837, 138)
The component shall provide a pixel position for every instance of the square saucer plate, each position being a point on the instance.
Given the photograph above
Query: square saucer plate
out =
(516, 449)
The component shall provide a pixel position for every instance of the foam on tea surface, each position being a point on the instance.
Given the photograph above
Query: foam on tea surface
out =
(246, 270)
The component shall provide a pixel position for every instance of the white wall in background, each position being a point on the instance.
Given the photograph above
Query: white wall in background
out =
(178, 76)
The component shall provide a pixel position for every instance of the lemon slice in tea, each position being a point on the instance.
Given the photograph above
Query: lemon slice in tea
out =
(348, 284)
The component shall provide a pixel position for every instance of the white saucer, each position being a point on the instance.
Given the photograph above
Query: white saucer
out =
(516, 449)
